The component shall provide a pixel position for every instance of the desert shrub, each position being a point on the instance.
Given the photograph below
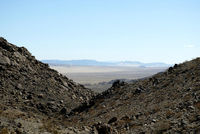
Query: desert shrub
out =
(187, 97)
(156, 109)
(162, 126)
(1, 111)
(50, 126)
(169, 113)
(197, 105)
(178, 115)
(12, 113)
(4, 131)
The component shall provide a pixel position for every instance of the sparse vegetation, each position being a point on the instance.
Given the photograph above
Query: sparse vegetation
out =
(161, 127)
(50, 126)
(4, 131)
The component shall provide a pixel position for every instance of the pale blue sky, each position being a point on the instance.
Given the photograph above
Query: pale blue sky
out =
(106, 30)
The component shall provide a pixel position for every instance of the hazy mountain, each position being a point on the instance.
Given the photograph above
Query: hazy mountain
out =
(101, 63)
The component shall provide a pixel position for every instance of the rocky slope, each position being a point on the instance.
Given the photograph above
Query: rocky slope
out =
(36, 99)
(29, 88)
(168, 102)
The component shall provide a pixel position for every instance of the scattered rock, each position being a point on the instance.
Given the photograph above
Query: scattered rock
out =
(168, 102)
(61, 101)
(29, 96)
(40, 96)
(114, 119)
(138, 90)
(154, 120)
(63, 111)
(118, 83)
(103, 128)
(4, 60)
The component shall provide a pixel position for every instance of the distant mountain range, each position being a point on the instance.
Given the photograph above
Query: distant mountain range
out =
(102, 63)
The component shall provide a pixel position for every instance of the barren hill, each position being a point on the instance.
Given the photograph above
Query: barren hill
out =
(31, 87)
(36, 99)
(168, 102)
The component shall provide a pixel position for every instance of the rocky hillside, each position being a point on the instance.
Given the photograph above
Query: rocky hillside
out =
(29, 87)
(168, 102)
(37, 100)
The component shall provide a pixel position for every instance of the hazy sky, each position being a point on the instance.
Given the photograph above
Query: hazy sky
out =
(106, 30)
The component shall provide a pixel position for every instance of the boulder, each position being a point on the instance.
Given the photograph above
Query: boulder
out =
(19, 56)
(4, 60)
(63, 111)
(114, 119)
(118, 83)
(103, 128)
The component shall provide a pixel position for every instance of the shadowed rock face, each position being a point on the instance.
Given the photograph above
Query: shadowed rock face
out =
(30, 85)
